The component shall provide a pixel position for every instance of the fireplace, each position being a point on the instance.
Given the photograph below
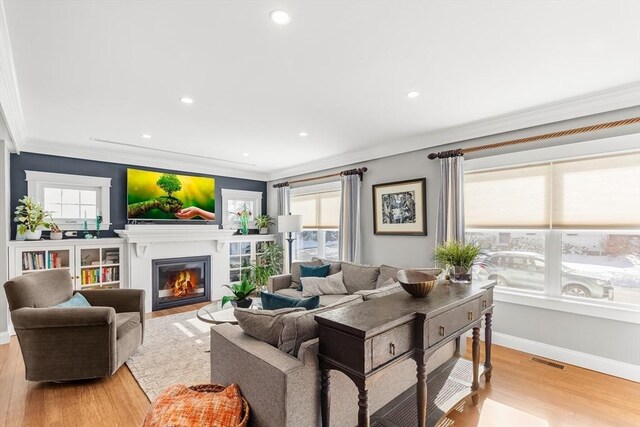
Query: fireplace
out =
(180, 281)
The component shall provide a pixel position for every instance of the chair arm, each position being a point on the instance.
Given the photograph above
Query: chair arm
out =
(281, 281)
(57, 317)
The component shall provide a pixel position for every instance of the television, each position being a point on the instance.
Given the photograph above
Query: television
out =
(153, 195)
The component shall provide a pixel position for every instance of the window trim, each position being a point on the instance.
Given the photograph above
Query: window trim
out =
(242, 195)
(37, 181)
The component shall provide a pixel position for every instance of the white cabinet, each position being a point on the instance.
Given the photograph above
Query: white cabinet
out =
(243, 250)
(92, 264)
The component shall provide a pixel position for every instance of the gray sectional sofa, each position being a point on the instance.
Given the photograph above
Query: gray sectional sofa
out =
(282, 383)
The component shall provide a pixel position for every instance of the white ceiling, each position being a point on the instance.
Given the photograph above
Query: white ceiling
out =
(113, 70)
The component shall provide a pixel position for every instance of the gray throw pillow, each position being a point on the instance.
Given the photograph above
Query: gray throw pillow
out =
(386, 272)
(301, 327)
(358, 277)
(295, 271)
(263, 325)
(330, 285)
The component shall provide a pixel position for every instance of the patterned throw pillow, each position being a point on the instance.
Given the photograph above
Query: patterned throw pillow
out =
(179, 406)
(330, 285)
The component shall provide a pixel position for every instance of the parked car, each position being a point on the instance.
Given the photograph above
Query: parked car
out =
(526, 270)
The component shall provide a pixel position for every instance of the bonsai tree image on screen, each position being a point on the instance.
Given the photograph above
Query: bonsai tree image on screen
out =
(156, 195)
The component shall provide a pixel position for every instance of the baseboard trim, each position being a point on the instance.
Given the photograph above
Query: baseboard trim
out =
(5, 337)
(616, 368)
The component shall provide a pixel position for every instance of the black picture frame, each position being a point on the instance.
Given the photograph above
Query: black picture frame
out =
(409, 217)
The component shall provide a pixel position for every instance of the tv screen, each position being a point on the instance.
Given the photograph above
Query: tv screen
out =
(166, 196)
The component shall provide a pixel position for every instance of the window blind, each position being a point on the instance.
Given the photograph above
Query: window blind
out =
(318, 210)
(598, 193)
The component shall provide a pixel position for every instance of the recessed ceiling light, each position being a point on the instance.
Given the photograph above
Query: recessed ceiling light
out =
(186, 100)
(146, 136)
(303, 134)
(280, 17)
(245, 154)
(413, 94)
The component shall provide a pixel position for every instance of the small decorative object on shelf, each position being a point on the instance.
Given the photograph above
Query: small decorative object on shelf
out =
(263, 222)
(458, 257)
(30, 216)
(55, 233)
(244, 216)
(98, 224)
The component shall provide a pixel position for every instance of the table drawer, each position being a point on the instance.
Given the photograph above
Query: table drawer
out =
(391, 344)
(447, 323)
(486, 301)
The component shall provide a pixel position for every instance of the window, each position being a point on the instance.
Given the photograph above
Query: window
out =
(568, 229)
(320, 209)
(234, 201)
(71, 199)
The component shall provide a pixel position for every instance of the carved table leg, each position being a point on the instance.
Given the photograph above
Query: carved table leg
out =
(363, 407)
(422, 393)
(487, 347)
(475, 351)
(325, 398)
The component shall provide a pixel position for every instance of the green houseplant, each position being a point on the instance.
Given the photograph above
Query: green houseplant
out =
(31, 218)
(458, 257)
(241, 292)
(263, 222)
(267, 264)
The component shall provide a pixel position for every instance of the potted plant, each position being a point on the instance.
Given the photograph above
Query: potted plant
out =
(263, 222)
(458, 257)
(241, 292)
(267, 264)
(55, 233)
(31, 218)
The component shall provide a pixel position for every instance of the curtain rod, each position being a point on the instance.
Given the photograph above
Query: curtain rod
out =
(358, 171)
(575, 131)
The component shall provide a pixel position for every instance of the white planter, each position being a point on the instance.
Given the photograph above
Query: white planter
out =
(55, 235)
(33, 235)
(264, 230)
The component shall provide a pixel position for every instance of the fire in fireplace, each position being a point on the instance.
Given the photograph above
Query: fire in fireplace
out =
(180, 281)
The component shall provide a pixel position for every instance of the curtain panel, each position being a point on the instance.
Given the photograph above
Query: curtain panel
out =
(349, 242)
(450, 225)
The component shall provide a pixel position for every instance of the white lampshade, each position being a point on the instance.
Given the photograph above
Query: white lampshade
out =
(289, 223)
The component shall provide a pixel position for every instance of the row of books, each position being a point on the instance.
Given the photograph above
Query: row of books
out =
(111, 256)
(40, 260)
(94, 276)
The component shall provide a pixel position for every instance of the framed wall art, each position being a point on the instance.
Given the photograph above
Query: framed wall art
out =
(400, 208)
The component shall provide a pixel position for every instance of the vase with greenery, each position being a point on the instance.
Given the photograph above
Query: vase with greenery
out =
(54, 231)
(244, 216)
(263, 222)
(31, 218)
(267, 264)
(458, 257)
(241, 292)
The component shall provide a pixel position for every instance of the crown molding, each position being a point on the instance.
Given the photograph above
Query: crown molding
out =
(617, 98)
(145, 157)
(10, 106)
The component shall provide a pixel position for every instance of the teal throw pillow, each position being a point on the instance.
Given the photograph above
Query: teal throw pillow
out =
(313, 271)
(276, 301)
(75, 301)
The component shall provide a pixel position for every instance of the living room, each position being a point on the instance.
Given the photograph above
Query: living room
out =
(320, 213)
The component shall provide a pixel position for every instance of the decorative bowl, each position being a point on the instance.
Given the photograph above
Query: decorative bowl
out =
(417, 282)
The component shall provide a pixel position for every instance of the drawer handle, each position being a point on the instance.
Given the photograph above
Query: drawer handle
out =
(441, 331)
(392, 349)
(484, 303)
(470, 315)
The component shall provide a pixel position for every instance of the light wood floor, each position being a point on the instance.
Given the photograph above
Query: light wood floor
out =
(521, 394)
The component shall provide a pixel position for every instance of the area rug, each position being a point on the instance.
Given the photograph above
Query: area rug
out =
(175, 351)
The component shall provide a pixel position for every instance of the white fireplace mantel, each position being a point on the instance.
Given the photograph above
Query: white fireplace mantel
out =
(142, 236)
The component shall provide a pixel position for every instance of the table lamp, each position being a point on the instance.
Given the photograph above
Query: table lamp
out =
(289, 224)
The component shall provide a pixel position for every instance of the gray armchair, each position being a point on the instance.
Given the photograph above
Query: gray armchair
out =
(64, 344)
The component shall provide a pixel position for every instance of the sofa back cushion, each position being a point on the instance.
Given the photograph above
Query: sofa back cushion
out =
(301, 326)
(358, 277)
(295, 270)
(334, 266)
(39, 289)
(263, 325)
(387, 272)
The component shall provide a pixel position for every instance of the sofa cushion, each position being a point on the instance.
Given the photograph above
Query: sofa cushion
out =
(334, 266)
(290, 292)
(78, 300)
(389, 289)
(358, 277)
(326, 300)
(300, 327)
(276, 301)
(386, 272)
(263, 325)
(295, 271)
(330, 285)
(125, 322)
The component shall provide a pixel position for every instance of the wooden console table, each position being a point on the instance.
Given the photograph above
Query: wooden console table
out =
(365, 339)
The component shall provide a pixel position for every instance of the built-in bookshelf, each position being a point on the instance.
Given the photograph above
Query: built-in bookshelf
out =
(243, 251)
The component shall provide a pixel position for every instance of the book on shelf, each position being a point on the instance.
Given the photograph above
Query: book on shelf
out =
(34, 261)
(111, 256)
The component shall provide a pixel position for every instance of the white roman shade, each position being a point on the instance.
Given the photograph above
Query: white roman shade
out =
(318, 210)
(593, 193)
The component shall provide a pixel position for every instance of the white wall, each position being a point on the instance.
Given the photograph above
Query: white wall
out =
(613, 340)
(5, 216)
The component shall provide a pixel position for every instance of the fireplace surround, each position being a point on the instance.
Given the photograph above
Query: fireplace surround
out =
(180, 281)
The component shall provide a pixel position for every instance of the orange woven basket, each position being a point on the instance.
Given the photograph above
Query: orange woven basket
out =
(215, 388)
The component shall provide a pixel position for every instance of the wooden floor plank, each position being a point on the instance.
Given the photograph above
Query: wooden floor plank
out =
(521, 393)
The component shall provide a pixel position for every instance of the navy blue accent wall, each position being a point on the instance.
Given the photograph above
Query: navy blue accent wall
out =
(118, 174)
